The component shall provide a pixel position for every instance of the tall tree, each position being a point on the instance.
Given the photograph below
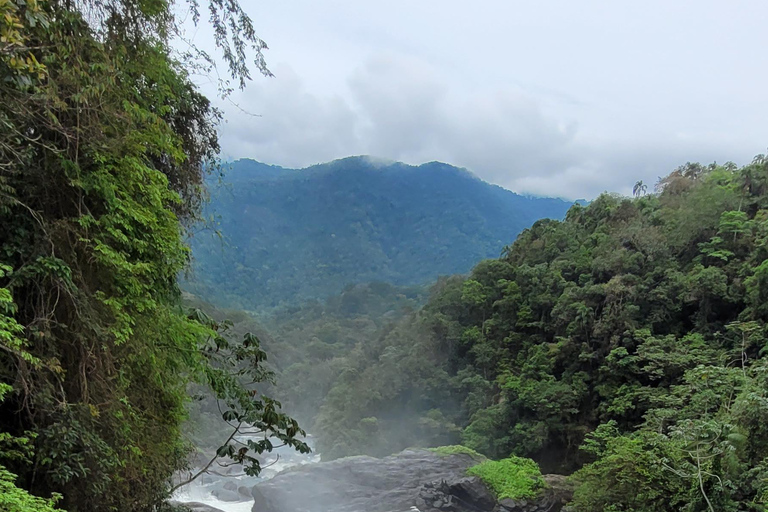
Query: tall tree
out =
(103, 148)
(639, 189)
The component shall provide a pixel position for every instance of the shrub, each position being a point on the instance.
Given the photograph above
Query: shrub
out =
(14, 499)
(514, 477)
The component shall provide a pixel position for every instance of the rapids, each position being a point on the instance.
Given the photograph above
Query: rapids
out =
(228, 489)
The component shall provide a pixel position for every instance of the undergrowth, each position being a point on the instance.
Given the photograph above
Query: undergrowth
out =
(514, 477)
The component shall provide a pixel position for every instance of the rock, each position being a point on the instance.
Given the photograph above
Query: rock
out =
(550, 499)
(226, 495)
(230, 485)
(413, 480)
(194, 506)
(559, 491)
(473, 492)
(245, 491)
(234, 469)
(367, 484)
(508, 504)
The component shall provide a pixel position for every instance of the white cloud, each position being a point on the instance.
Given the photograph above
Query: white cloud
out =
(557, 99)
(279, 122)
(402, 109)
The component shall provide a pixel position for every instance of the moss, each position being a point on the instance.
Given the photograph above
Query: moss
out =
(456, 449)
(514, 477)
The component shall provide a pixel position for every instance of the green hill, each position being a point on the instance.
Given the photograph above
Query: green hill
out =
(628, 341)
(290, 235)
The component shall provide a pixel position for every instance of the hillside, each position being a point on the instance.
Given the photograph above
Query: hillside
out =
(290, 235)
(628, 341)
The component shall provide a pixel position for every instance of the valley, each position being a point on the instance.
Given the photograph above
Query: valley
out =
(412, 310)
(582, 339)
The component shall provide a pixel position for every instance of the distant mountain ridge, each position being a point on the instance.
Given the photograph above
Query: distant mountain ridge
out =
(292, 235)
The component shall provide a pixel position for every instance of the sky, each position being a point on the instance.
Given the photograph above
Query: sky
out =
(552, 97)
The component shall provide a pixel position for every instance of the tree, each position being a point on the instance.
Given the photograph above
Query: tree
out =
(104, 145)
(634, 328)
(639, 189)
(246, 411)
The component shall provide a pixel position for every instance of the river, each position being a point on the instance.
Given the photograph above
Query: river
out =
(226, 488)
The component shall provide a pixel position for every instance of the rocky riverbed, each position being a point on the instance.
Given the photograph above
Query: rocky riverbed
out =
(413, 480)
(225, 488)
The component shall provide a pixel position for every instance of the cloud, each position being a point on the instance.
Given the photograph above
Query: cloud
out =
(411, 114)
(278, 121)
(398, 107)
(400, 104)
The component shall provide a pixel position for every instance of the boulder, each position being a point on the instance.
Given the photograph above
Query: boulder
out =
(227, 495)
(411, 481)
(367, 484)
(473, 492)
(467, 493)
(552, 498)
(558, 493)
(194, 506)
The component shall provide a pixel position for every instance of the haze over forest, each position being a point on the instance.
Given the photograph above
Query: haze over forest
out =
(209, 304)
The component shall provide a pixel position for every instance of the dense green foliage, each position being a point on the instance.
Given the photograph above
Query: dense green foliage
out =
(291, 235)
(513, 477)
(311, 343)
(103, 144)
(393, 392)
(634, 329)
(308, 344)
(626, 343)
(12, 498)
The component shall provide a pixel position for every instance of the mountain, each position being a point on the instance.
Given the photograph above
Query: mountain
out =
(290, 235)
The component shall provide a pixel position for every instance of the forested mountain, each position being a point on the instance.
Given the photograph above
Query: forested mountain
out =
(625, 344)
(628, 340)
(291, 235)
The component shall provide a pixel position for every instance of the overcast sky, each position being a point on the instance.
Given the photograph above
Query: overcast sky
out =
(558, 98)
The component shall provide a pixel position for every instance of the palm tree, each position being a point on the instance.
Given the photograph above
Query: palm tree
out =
(639, 188)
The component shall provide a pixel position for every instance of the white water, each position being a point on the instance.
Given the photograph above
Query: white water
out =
(201, 489)
(199, 494)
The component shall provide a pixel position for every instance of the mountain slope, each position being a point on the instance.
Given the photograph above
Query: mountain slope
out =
(291, 235)
(629, 340)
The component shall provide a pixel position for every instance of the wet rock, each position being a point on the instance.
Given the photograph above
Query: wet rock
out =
(230, 485)
(234, 469)
(472, 492)
(414, 480)
(194, 506)
(226, 495)
(367, 484)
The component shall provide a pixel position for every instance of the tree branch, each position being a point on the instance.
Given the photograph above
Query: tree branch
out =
(210, 463)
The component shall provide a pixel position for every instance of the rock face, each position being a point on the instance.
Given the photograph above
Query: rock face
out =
(358, 484)
(194, 506)
(413, 480)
